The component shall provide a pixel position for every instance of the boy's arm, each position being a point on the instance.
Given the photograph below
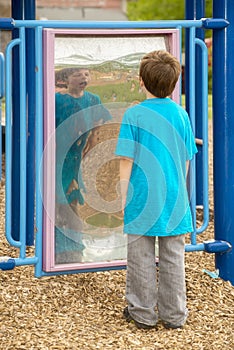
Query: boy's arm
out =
(125, 172)
(187, 167)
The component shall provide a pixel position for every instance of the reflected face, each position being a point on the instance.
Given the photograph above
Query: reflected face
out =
(79, 78)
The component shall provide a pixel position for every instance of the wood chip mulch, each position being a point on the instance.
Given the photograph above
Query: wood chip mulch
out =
(84, 311)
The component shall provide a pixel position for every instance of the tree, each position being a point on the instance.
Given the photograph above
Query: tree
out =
(155, 10)
(140, 10)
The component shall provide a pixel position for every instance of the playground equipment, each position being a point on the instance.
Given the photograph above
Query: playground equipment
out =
(23, 64)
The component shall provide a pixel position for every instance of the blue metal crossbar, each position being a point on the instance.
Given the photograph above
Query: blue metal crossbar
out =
(191, 25)
(109, 24)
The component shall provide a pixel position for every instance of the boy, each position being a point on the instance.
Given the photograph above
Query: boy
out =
(77, 113)
(155, 144)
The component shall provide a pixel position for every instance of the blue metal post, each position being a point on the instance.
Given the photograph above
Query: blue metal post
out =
(223, 127)
(29, 8)
(17, 13)
(23, 9)
(2, 92)
(39, 149)
(196, 10)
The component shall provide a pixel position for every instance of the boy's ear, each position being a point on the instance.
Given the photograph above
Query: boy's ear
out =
(141, 82)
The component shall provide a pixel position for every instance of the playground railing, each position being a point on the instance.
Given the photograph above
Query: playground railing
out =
(37, 203)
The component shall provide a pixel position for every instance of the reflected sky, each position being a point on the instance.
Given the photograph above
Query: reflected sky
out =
(97, 50)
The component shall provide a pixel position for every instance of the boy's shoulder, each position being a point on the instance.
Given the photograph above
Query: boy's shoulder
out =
(91, 95)
(156, 105)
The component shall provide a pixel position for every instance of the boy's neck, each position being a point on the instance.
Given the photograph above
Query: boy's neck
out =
(149, 95)
(75, 92)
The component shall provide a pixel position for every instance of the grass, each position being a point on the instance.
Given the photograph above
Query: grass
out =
(107, 97)
(104, 220)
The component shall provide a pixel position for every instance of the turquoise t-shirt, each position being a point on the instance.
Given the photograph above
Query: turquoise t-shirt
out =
(157, 134)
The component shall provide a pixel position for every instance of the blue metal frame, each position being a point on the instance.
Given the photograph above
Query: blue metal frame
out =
(219, 246)
(39, 147)
(23, 9)
(30, 88)
(223, 140)
(17, 12)
(8, 151)
(196, 10)
(38, 25)
(2, 93)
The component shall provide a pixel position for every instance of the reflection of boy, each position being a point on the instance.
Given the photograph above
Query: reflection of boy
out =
(60, 84)
(77, 112)
(156, 143)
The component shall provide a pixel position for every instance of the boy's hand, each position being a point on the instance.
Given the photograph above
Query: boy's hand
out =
(125, 173)
(123, 205)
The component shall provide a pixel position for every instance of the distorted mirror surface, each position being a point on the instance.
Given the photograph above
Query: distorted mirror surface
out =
(96, 79)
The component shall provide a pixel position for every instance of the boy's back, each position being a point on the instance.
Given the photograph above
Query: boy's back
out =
(157, 135)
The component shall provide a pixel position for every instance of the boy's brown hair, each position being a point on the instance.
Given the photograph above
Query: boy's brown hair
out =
(160, 72)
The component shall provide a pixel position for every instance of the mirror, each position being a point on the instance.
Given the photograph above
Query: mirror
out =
(91, 78)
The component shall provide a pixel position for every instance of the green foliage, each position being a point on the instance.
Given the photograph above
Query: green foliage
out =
(122, 92)
(155, 10)
(139, 10)
(210, 79)
(208, 10)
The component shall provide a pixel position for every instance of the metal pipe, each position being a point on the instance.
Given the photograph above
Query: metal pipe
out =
(223, 136)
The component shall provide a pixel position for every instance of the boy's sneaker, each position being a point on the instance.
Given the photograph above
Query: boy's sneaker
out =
(129, 318)
(171, 325)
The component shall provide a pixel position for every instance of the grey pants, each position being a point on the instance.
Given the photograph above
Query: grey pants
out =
(144, 291)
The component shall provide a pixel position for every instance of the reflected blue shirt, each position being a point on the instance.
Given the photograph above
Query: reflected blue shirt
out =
(157, 134)
(75, 118)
